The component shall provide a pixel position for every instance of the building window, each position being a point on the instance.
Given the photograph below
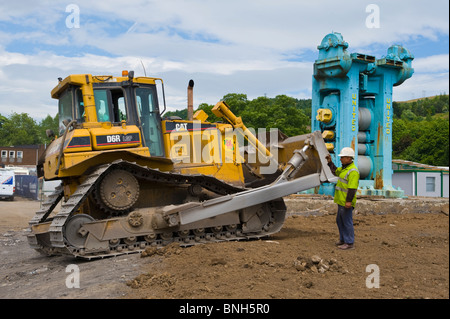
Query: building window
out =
(4, 156)
(431, 181)
(19, 156)
(12, 156)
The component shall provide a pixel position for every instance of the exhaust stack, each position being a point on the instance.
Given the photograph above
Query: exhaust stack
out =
(190, 96)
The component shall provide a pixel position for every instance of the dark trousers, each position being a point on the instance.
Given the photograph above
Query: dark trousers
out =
(344, 220)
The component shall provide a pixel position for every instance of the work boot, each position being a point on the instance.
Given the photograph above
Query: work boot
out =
(339, 243)
(346, 246)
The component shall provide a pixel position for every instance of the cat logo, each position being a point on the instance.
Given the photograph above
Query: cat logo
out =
(181, 127)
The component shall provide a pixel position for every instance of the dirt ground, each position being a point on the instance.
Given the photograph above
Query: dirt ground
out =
(402, 251)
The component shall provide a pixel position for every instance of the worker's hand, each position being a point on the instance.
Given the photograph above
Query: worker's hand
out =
(328, 158)
(348, 204)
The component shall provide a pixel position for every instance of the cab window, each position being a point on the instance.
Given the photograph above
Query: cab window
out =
(119, 106)
(65, 109)
(79, 106)
(101, 105)
(110, 105)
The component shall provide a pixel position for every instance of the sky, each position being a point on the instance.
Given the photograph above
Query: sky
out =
(253, 47)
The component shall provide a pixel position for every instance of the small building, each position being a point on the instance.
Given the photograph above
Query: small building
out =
(417, 179)
(23, 155)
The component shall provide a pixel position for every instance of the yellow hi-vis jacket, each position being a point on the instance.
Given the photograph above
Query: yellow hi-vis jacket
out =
(348, 177)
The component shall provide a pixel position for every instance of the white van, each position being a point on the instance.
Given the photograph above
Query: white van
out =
(7, 184)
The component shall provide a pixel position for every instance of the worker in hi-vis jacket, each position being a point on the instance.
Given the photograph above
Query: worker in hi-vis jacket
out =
(345, 196)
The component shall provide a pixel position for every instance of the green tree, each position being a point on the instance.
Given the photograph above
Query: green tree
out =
(2, 120)
(401, 138)
(423, 107)
(408, 115)
(432, 146)
(280, 112)
(49, 123)
(237, 102)
(180, 113)
(19, 129)
(207, 109)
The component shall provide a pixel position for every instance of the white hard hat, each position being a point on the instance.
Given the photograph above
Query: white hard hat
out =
(347, 151)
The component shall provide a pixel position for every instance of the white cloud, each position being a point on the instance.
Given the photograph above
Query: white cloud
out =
(433, 63)
(431, 77)
(422, 85)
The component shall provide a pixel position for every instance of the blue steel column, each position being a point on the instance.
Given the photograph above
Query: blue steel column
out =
(391, 71)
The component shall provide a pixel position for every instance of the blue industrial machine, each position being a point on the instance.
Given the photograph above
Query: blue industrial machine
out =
(352, 107)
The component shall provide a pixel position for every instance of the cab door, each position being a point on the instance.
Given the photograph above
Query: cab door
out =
(150, 118)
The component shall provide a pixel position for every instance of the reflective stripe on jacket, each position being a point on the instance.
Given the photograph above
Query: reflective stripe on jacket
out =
(348, 177)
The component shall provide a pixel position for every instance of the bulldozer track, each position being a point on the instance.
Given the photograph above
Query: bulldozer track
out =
(57, 244)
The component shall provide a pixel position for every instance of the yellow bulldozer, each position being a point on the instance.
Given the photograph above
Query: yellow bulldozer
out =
(131, 178)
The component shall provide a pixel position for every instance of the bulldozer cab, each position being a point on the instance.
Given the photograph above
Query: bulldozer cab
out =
(117, 101)
(136, 105)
